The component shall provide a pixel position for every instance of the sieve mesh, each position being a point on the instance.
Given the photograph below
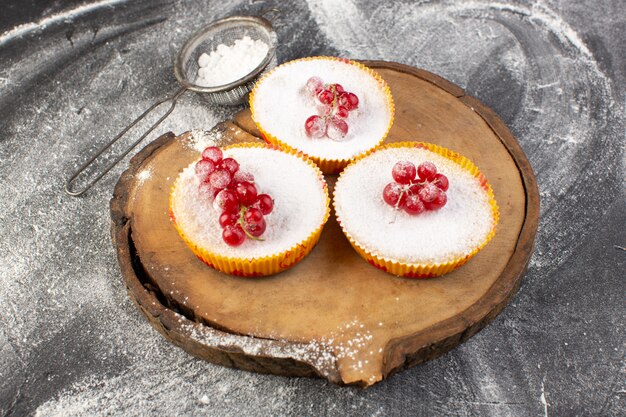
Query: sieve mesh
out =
(225, 31)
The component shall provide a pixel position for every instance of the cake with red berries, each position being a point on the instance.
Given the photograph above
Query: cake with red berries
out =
(250, 209)
(415, 209)
(331, 109)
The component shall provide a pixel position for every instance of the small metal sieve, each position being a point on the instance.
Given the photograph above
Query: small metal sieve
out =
(225, 31)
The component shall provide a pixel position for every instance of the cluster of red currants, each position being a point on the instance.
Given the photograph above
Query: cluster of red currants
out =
(234, 195)
(335, 105)
(416, 195)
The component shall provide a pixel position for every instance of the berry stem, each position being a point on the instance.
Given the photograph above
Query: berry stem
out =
(397, 206)
(421, 184)
(333, 104)
(243, 227)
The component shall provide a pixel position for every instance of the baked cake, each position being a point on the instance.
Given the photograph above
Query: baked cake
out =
(250, 209)
(415, 209)
(331, 109)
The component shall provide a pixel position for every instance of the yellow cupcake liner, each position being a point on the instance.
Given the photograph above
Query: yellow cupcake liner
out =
(426, 270)
(328, 166)
(261, 266)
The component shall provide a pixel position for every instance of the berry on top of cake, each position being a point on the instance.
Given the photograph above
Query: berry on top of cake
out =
(416, 190)
(234, 195)
(334, 105)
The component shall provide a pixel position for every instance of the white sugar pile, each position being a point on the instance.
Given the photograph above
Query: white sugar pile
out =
(299, 203)
(228, 63)
(281, 107)
(433, 236)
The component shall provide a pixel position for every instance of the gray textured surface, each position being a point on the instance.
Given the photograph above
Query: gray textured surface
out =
(71, 342)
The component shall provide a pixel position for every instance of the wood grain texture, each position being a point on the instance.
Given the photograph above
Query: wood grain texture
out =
(332, 315)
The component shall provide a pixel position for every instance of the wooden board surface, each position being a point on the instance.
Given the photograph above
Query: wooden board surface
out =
(332, 315)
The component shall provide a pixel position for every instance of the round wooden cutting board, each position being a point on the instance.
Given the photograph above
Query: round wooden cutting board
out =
(332, 315)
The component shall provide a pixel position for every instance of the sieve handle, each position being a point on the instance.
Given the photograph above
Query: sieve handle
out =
(68, 185)
(272, 14)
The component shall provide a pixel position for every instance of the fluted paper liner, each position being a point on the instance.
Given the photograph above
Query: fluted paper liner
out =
(266, 265)
(425, 270)
(328, 166)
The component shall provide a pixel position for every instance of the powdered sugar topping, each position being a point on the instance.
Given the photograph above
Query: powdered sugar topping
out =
(299, 203)
(432, 237)
(199, 139)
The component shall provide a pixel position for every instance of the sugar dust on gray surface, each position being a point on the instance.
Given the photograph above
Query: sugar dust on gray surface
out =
(71, 342)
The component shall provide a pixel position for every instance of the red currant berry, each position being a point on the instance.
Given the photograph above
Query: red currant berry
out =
(428, 193)
(220, 178)
(314, 85)
(246, 193)
(256, 227)
(228, 219)
(204, 167)
(338, 88)
(241, 176)
(207, 191)
(337, 129)
(315, 126)
(212, 153)
(325, 96)
(325, 110)
(438, 202)
(342, 100)
(349, 100)
(392, 194)
(252, 215)
(233, 235)
(231, 165)
(426, 171)
(441, 181)
(341, 112)
(225, 201)
(403, 172)
(413, 205)
(265, 203)
(232, 185)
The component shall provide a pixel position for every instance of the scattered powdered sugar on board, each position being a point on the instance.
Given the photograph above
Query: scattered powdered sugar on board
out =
(144, 175)
(281, 106)
(299, 203)
(350, 341)
(200, 139)
(430, 237)
(318, 353)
